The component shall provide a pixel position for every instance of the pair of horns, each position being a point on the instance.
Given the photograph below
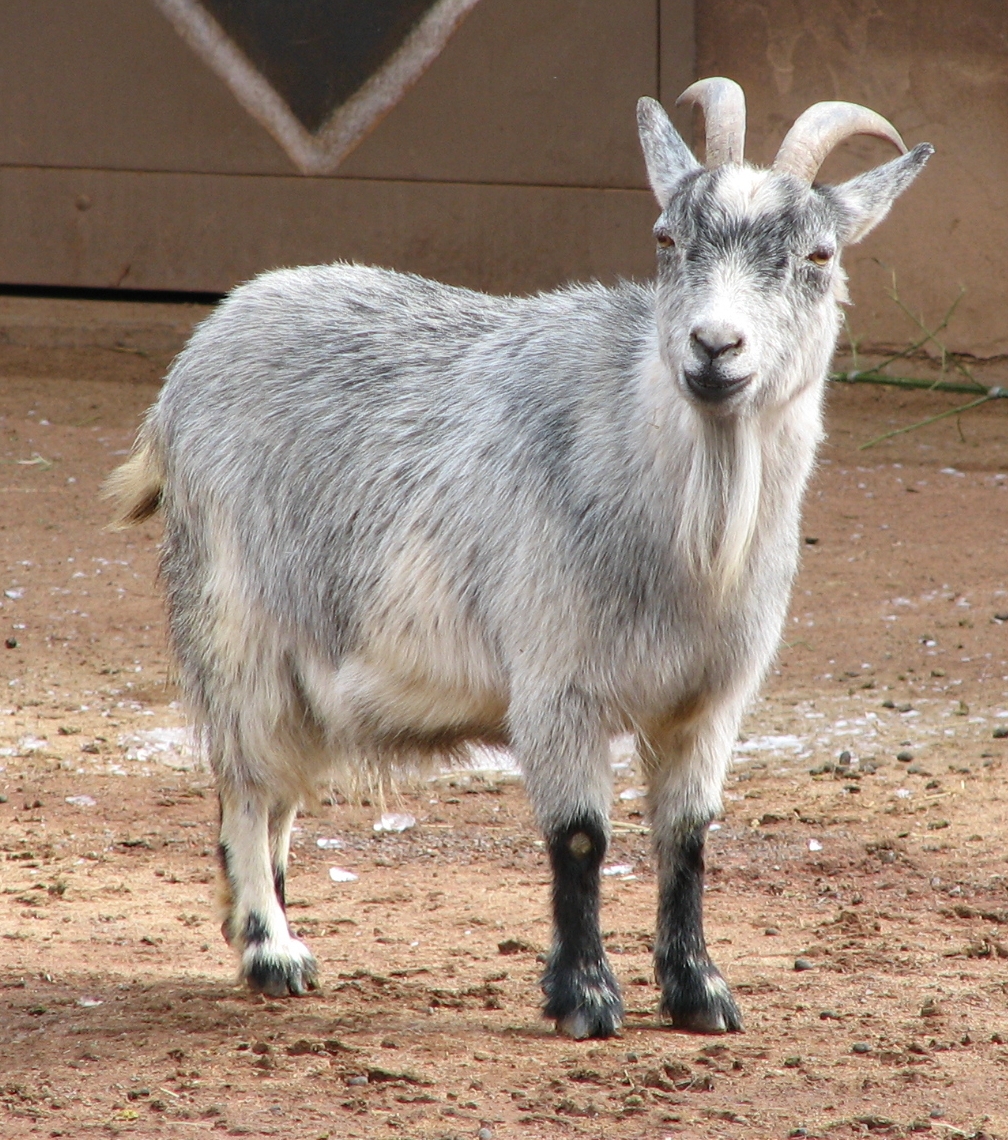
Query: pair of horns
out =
(805, 147)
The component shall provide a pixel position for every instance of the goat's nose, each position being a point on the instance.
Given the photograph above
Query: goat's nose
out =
(717, 338)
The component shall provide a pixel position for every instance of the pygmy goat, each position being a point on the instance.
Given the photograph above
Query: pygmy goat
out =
(401, 517)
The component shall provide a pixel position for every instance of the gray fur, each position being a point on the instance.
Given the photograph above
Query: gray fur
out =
(401, 517)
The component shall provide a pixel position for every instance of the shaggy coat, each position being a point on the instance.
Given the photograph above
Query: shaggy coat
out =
(402, 517)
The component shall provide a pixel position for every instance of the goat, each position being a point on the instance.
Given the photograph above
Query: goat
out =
(401, 517)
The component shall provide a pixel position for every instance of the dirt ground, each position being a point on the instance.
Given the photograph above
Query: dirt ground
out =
(858, 909)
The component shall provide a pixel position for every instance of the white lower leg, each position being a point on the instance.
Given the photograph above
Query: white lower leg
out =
(273, 961)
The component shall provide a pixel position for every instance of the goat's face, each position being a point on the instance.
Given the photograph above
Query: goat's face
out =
(748, 284)
(749, 278)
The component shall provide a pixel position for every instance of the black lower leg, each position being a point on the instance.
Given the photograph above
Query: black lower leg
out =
(694, 995)
(581, 992)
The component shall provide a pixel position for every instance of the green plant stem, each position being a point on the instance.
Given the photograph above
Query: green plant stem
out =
(933, 419)
(873, 376)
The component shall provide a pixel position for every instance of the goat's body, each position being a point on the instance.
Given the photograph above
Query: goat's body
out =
(402, 517)
(376, 554)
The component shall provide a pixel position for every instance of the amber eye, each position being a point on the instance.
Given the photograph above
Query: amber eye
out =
(664, 239)
(821, 256)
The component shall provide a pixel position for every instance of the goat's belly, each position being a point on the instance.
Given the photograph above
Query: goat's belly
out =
(379, 707)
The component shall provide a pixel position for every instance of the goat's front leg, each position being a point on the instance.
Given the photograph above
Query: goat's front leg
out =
(685, 794)
(254, 837)
(565, 757)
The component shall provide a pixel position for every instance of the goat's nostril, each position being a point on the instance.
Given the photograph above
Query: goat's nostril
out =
(717, 340)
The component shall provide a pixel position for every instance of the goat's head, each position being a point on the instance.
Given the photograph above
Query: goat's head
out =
(749, 269)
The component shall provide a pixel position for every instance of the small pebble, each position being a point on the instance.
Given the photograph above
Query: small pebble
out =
(484, 1134)
(904, 757)
(771, 931)
(803, 964)
(844, 759)
(395, 822)
(340, 875)
(860, 1047)
(11, 642)
(1001, 732)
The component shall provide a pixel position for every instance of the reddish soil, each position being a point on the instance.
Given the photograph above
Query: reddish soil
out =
(885, 877)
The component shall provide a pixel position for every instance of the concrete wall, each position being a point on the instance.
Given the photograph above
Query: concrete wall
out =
(939, 71)
(512, 164)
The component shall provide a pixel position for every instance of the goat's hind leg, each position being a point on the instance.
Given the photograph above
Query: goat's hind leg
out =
(254, 836)
(685, 794)
(565, 757)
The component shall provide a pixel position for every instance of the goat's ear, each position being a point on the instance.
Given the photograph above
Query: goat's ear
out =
(864, 201)
(667, 157)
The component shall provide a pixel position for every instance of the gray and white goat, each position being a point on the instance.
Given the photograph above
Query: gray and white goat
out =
(401, 517)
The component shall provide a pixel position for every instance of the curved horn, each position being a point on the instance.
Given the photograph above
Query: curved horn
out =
(822, 127)
(723, 105)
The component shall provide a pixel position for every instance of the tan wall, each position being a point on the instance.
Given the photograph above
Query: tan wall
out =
(938, 70)
(513, 164)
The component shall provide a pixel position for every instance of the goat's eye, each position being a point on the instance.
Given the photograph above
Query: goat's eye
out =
(821, 255)
(664, 239)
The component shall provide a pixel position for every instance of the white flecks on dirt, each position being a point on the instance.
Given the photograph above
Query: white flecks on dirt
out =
(774, 745)
(173, 747)
(619, 870)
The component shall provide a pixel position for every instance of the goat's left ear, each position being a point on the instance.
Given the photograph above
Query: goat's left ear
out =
(666, 156)
(864, 201)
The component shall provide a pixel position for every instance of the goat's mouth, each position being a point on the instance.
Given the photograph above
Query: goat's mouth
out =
(711, 387)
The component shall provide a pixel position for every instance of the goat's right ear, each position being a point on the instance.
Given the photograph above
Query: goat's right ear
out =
(666, 156)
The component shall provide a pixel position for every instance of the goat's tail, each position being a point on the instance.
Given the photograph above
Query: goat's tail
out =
(135, 487)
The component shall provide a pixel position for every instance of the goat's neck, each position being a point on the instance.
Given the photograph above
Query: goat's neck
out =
(735, 480)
